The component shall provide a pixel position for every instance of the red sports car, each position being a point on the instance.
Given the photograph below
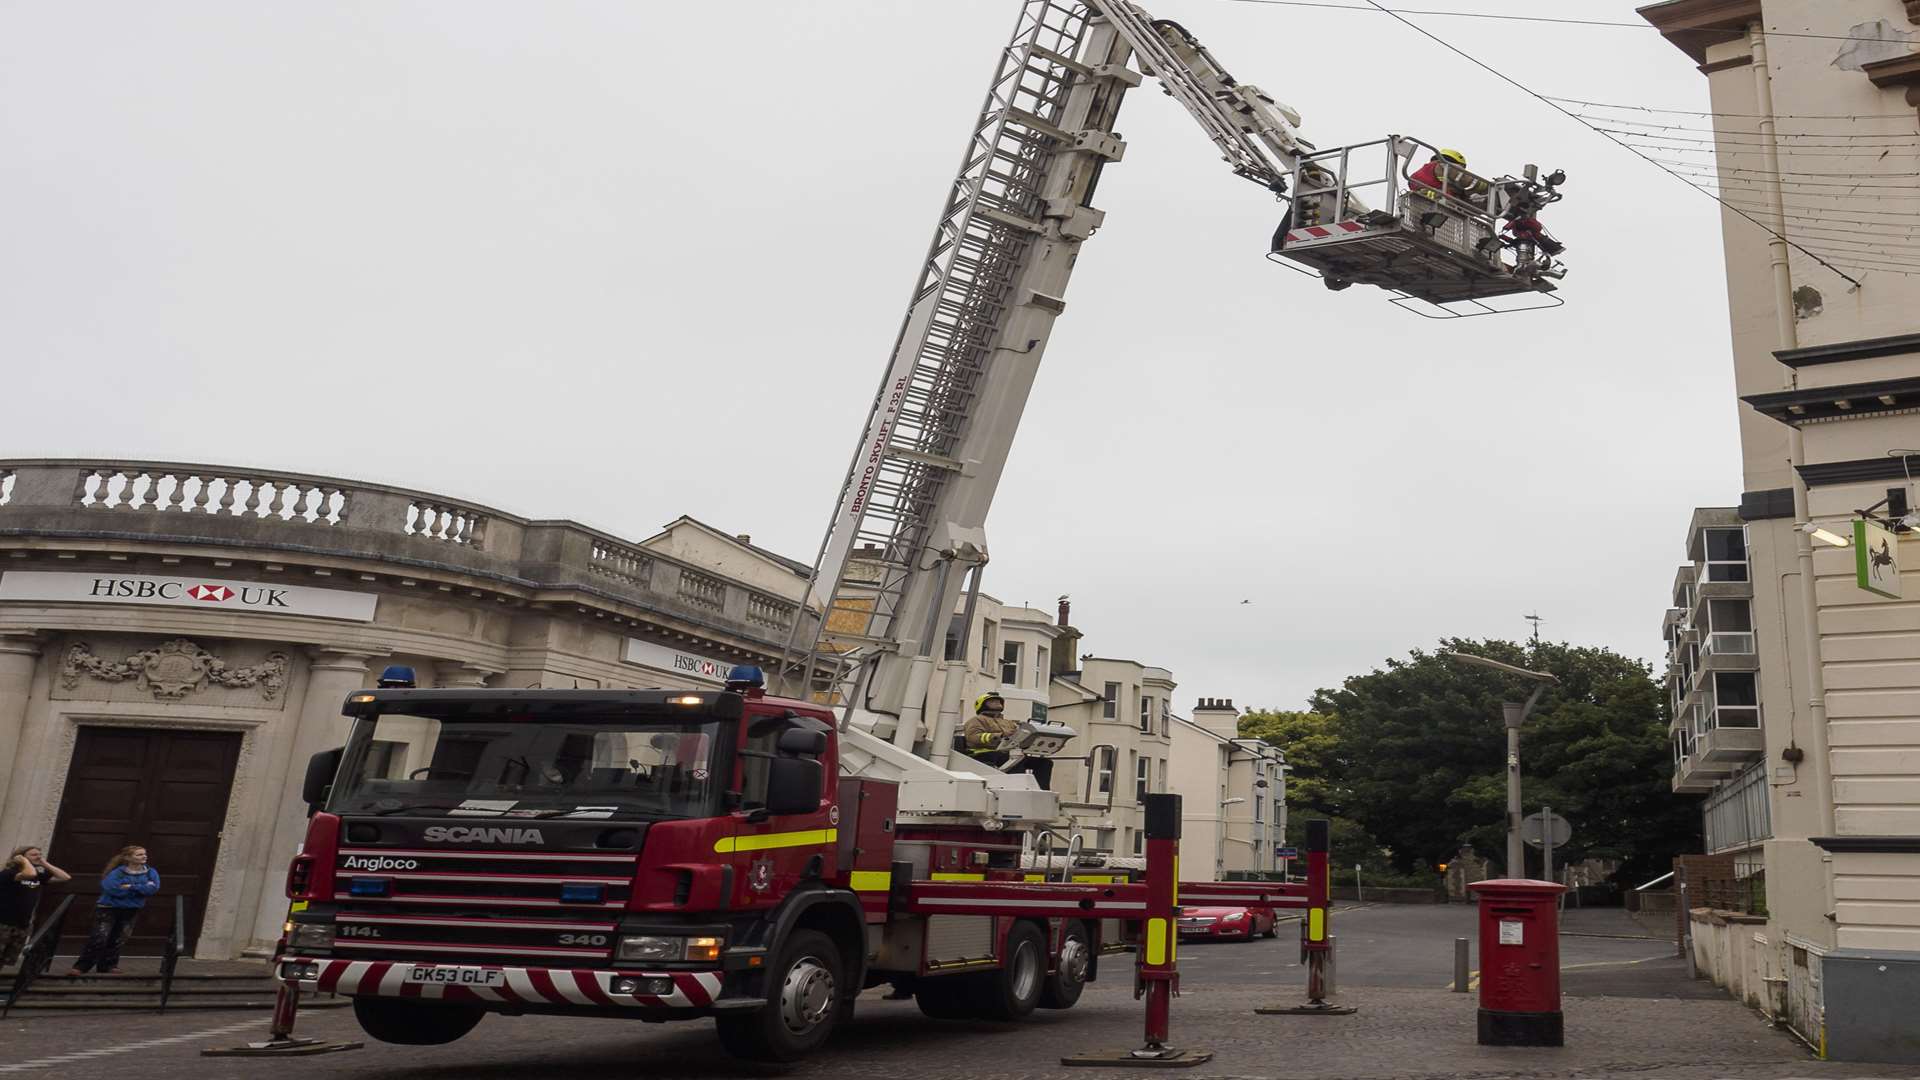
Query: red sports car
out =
(1226, 922)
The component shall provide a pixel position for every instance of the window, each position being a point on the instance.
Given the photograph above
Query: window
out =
(956, 629)
(1140, 780)
(1146, 714)
(1165, 712)
(1110, 709)
(1726, 554)
(1010, 664)
(1040, 672)
(384, 757)
(1163, 776)
(1139, 841)
(1736, 700)
(986, 646)
(1258, 814)
(1100, 772)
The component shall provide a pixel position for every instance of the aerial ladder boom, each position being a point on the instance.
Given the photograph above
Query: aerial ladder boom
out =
(907, 535)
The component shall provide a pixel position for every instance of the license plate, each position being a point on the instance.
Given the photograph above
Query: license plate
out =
(456, 976)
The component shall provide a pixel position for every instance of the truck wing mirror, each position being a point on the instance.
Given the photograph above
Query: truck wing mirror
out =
(802, 741)
(793, 784)
(321, 768)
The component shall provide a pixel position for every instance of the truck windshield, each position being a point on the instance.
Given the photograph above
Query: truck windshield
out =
(503, 766)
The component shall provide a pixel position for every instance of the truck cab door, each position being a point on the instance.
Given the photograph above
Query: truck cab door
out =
(784, 831)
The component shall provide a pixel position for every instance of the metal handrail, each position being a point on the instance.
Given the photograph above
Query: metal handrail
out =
(37, 956)
(176, 944)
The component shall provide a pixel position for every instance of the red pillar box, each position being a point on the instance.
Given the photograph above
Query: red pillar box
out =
(1519, 962)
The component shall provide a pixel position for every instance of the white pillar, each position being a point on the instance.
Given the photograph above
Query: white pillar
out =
(332, 674)
(19, 658)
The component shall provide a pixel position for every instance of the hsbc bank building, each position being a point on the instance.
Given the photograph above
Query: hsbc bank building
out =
(177, 640)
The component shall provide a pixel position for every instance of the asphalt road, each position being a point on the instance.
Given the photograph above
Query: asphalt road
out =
(1395, 964)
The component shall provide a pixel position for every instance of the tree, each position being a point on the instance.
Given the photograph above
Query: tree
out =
(1422, 746)
(1316, 781)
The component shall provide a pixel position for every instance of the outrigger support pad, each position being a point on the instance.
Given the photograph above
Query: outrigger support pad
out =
(281, 1041)
(1147, 1057)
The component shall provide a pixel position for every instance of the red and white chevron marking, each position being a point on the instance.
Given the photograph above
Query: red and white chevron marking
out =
(1319, 232)
(528, 986)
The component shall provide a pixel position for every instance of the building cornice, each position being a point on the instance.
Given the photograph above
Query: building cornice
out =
(1860, 471)
(1900, 71)
(1865, 845)
(1863, 349)
(1692, 25)
(1802, 406)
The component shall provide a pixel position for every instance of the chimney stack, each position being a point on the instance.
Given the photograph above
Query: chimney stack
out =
(1066, 609)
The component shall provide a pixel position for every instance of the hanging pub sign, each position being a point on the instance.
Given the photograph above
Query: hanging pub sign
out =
(1876, 558)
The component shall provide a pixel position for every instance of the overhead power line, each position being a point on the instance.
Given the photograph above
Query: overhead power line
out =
(1575, 117)
(1741, 116)
(1491, 16)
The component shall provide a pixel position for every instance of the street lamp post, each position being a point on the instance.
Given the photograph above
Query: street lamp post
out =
(1514, 714)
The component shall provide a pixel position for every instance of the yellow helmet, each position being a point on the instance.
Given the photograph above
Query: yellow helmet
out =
(1455, 156)
(981, 701)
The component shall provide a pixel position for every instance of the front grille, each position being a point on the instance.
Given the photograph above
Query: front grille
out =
(453, 905)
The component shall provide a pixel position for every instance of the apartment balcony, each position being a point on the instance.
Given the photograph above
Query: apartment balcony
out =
(1728, 651)
(1693, 775)
(1730, 747)
(1717, 588)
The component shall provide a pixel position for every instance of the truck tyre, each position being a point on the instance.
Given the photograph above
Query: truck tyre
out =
(409, 1023)
(803, 1002)
(1069, 976)
(1014, 990)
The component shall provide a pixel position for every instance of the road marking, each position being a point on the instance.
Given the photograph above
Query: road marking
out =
(123, 1048)
(1473, 977)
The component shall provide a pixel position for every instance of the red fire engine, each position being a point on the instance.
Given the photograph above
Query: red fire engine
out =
(663, 855)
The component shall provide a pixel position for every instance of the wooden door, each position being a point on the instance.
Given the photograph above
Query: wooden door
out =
(166, 790)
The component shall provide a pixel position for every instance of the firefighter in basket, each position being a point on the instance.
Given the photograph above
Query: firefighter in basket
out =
(985, 734)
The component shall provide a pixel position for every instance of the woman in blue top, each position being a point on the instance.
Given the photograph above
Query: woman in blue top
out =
(123, 892)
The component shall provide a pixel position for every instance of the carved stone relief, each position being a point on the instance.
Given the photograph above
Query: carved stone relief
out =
(174, 669)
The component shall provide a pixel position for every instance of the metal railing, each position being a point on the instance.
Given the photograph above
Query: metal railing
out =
(419, 533)
(176, 945)
(37, 956)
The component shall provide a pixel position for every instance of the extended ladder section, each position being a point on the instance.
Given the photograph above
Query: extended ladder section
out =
(924, 472)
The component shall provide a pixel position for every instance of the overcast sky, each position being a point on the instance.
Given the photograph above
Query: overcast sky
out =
(622, 261)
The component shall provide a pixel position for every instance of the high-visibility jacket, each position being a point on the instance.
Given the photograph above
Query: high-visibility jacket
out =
(983, 733)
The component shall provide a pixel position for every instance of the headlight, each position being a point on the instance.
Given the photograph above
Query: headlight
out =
(1234, 917)
(669, 948)
(311, 936)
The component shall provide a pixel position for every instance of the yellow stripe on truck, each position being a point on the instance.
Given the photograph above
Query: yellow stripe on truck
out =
(959, 877)
(767, 841)
(871, 881)
(1156, 941)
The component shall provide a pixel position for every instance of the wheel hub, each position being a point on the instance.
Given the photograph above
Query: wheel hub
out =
(1073, 960)
(1027, 970)
(806, 995)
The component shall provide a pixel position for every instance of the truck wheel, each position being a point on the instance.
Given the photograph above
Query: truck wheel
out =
(409, 1023)
(803, 1001)
(1012, 992)
(948, 997)
(1069, 977)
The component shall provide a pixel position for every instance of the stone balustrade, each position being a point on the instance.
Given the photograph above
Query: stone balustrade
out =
(267, 511)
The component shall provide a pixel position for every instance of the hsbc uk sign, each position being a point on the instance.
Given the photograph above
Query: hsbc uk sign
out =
(687, 665)
(204, 593)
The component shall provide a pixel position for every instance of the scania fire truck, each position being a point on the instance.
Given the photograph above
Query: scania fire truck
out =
(662, 855)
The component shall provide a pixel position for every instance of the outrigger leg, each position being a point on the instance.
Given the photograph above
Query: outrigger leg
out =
(1157, 975)
(281, 1041)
